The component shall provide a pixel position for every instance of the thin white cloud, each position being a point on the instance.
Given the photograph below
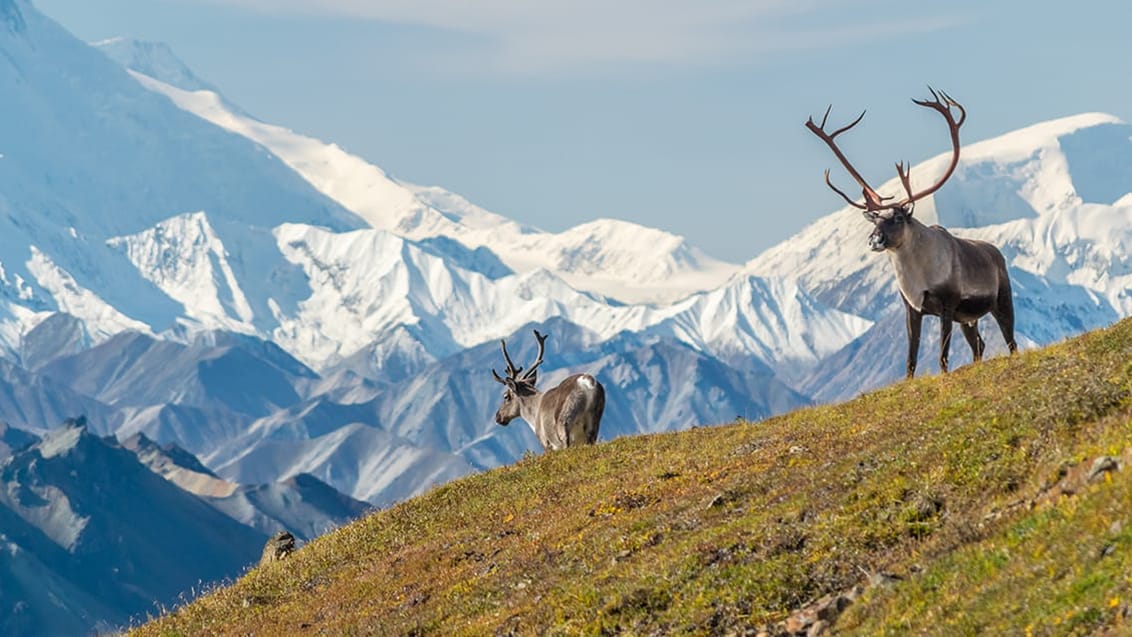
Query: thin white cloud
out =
(535, 35)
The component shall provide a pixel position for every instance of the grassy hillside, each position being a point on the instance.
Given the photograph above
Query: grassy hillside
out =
(950, 505)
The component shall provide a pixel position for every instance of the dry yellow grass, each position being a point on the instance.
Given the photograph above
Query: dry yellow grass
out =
(945, 481)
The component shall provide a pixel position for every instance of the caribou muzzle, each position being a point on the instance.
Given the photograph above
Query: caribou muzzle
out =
(877, 241)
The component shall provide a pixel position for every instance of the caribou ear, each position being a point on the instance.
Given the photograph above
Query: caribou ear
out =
(508, 381)
(870, 215)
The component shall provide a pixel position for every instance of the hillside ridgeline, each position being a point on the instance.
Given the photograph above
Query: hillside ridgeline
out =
(993, 500)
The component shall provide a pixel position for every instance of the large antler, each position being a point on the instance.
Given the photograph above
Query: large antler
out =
(943, 107)
(538, 360)
(512, 371)
(942, 103)
(873, 201)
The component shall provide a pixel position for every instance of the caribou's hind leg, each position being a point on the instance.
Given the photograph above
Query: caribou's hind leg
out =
(913, 321)
(599, 409)
(1003, 314)
(575, 420)
(971, 333)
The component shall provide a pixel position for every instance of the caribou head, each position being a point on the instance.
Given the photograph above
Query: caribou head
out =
(937, 273)
(566, 415)
(517, 384)
(890, 230)
(890, 218)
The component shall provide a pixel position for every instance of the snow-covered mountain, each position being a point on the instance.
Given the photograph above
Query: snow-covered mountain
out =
(368, 283)
(88, 154)
(153, 59)
(613, 258)
(135, 231)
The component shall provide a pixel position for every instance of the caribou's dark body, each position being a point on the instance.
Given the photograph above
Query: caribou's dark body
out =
(565, 416)
(937, 273)
(955, 279)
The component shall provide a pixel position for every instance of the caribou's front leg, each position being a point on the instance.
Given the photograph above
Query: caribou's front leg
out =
(944, 340)
(913, 321)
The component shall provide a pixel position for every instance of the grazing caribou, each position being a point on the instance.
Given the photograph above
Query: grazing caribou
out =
(565, 416)
(938, 274)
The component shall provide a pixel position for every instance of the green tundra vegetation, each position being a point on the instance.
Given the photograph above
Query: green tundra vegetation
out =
(993, 500)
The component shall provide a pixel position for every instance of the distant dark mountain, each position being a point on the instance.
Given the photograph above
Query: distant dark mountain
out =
(58, 335)
(12, 439)
(302, 505)
(108, 538)
(242, 375)
(35, 402)
(385, 442)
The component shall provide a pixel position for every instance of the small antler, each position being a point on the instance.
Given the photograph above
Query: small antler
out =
(531, 372)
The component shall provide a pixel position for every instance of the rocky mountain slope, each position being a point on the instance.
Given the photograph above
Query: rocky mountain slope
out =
(96, 534)
(93, 537)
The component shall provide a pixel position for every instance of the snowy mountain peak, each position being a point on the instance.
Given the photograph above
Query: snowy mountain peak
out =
(592, 243)
(154, 59)
(184, 257)
(624, 230)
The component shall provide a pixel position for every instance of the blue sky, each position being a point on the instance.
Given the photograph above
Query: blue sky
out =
(677, 114)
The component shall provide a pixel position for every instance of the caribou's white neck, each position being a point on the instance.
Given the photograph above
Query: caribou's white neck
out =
(529, 411)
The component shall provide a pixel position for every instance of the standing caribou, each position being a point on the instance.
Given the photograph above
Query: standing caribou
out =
(938, 274)
(565, 416)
